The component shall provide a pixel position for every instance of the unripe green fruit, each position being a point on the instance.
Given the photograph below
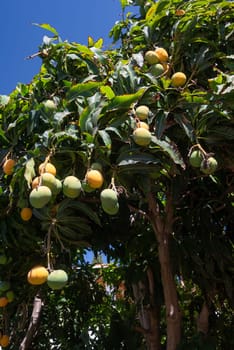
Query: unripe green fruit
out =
(196, 158)
(157, 69)
(49, 180)
(209, 165)
(109, 201)
(111, 211)
(142, 112)
(142, 136)
(109, 197)
(71, 186)
(4, 286)
(49, 104)
(86, 187)
(57, 279)
(40, 196)
(151, 57)
(58, 186)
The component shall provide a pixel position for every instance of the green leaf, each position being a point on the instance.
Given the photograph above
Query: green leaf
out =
(124, 3)
(77, 206)
(107, 91)
(81, 89)
(124, 101)
(47, 27)
(85, 121)
(171, 149)
(186, 125)
(137, 162)
(105, 137)
(90, 41)
(160, 122)
(99, 43)
(151, 12)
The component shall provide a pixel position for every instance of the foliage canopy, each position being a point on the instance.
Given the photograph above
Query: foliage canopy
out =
(90, 118)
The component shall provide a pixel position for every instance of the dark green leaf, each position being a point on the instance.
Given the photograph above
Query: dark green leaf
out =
(81, 89)
(171, 149)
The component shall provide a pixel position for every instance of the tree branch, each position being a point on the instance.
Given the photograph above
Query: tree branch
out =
(33, 325)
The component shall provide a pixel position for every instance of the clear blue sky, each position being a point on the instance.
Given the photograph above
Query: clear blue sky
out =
(75, 20)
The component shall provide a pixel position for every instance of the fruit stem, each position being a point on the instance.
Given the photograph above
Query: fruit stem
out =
(112, 184)
(48, 246)
(204, 153)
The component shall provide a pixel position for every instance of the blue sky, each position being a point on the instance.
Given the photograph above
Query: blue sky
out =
(75, 20)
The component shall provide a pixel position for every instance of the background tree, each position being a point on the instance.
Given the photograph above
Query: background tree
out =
(170, 230)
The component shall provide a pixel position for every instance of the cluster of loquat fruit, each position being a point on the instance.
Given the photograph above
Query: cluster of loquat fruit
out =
(56, 279)
(46, 185)
(158, 61)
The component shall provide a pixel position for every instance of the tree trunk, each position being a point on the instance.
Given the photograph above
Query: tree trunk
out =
(148, 314)
(163, 228)
(203, 319)
(33, 325)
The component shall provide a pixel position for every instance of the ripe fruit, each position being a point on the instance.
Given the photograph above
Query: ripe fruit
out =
(178, 79)
(8, 166)
(142, 112)
(109, 201)
(49, 104)
(40, 196)
(71, 186)
(142, 136)
(3, 301)
(196, 158)
(49, 180)
(142, 125)
(157, 69)
(4, 340)
(161, 54)
(57, 279)
(37, 275)
(94, 178)
(209, 165)
(151, 57)
(35, 182)
(47, 168)
(26, 214)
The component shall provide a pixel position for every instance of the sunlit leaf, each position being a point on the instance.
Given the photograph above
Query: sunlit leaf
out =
(81, 89)
(99, 43)
(47, 27)
(124, 101)
(107, 91)
(90, 41)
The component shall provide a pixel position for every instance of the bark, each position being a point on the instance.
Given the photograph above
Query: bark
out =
(148, 314)
(163, 228)
(203, 319)
(33, 325)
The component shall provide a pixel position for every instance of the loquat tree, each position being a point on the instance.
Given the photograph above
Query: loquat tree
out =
(127, 152)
